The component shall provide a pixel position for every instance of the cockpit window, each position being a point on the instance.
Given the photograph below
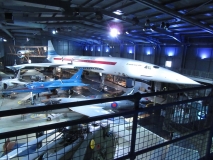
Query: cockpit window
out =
(156, 67)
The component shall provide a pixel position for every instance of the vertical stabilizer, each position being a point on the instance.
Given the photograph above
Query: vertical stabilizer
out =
(129, 91)
(18, 74)
(77, 76)
(51, 51)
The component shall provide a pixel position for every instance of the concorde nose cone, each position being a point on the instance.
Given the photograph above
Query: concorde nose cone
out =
(165, 75)
(180, 79)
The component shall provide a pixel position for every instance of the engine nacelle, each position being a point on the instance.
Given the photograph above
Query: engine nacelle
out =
(6, 85)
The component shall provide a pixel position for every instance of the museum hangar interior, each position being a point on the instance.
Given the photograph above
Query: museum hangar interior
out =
(97, 79)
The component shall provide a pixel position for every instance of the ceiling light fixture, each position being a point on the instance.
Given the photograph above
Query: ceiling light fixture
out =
(127, 32)
(114, 32)
(135, 20)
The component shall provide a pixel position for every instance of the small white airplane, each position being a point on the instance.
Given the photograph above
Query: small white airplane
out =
(111, 65)
(6, 83)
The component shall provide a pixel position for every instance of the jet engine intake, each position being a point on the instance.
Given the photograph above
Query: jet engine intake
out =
(4, 86)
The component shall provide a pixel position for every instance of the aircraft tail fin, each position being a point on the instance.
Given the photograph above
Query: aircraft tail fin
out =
(18, 74)
(51, 51)
(77, 76)
(128, 92)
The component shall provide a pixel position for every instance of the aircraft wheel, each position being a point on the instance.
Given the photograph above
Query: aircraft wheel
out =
(48, 119)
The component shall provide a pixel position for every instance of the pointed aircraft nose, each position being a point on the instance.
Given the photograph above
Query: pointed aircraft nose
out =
(173, 77)
(185, 80)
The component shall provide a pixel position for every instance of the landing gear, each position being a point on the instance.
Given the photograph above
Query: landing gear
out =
(70, 92)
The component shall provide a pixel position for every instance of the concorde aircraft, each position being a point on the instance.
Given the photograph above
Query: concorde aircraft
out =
(111, 65)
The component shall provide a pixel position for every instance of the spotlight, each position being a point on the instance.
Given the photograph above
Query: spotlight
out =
(167, 26)
(54, 32)
(135, 20)
(162, 25)
(147, 23)
(114, 32)
(99, 15)
(4, 40)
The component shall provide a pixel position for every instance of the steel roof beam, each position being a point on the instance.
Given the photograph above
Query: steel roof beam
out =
(25, 24)
(173, 13)
(120, 17)
(6, 31)
(104, 32)
(48, 4)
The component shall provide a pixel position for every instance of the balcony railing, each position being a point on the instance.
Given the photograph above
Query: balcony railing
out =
(178, 129)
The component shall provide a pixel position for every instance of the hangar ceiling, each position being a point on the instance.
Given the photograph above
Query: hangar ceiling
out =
(89, 21)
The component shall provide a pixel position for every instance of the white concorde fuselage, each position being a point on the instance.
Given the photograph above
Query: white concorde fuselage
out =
(122, 67)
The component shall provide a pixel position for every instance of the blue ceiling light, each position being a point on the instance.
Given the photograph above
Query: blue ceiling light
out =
(170, 51)
(107, 48)
(204, 53)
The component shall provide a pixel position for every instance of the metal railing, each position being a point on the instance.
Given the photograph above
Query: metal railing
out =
(178, 129)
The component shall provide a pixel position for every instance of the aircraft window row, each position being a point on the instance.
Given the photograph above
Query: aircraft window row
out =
(88, 68)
